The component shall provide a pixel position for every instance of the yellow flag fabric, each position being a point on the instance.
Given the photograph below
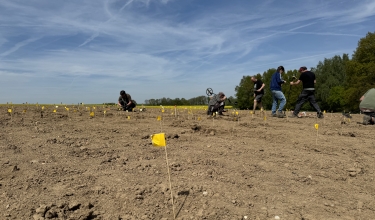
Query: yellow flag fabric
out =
(9, 110)
(316, 126)
(92, 114)
(236, 113)
(158, 140)
(128, 117)
(159, 118)
(54, 110)
(162, 110)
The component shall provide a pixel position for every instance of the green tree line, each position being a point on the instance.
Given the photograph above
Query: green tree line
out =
(340, 81)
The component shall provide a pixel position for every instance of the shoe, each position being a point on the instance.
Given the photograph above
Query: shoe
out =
(273, 115)
(366, 120)
(280, 115)
(294, 116)
(320, 115)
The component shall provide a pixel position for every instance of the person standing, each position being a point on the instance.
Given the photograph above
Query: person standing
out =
(258, 92)
(277, 94)
(308, 93)
(367, 107)
(125, 101)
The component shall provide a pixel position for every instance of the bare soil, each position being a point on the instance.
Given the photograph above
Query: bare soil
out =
(68, 165)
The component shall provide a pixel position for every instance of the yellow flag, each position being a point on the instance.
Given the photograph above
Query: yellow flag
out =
(265, 118)
(316, 126)
(92, 114)
(24, 111)
(9, 110)
(251, 112)
(324, 112)
(236, 113)
(105, 111)
(199, 118)
(162, 110)
(128, 117)
(42, 107)
(67, 109)
(94, 107)
(158, 140)
(54, 110)
(158, 118)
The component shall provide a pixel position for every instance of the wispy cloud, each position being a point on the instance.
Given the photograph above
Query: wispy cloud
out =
(154, 48)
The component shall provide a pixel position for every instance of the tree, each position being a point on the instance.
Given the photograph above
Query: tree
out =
(360, 71)
(331, 73)
(244, 93)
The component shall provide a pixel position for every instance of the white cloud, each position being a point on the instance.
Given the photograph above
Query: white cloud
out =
(164, 44)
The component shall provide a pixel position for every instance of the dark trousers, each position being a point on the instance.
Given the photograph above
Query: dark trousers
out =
(219, 107)
(127, 107)
(306, 95)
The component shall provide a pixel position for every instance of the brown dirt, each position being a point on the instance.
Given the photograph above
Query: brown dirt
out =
(71, 166)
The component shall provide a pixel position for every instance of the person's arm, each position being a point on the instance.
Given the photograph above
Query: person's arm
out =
(119, 100)
(263, 85)
(279, 80)
(295, 83)
(129, 99)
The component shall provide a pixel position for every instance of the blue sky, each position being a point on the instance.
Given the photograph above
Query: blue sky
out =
(88, 50)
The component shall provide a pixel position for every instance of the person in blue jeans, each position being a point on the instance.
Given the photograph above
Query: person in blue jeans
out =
(277, 94)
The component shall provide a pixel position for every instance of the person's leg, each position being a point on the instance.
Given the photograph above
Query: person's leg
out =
(302, 98)
(313, 103)
(369, 118)
(255, 105)
(130, 107)
(280, 96)
(274, 102)
(372, 120)
(257, 102)
(221, 108)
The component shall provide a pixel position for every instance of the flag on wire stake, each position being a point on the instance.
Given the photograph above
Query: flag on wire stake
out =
(317, 129)
(158, 140)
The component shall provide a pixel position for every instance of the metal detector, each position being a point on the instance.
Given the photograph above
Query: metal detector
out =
(210, 92)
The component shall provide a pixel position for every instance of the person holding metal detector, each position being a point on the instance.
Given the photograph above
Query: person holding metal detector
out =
(277, 94)
(308, 93)
(367, 107)
(216, 103)
(125, 101)
(258, 92)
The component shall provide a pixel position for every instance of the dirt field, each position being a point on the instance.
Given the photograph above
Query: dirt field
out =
(67, 165)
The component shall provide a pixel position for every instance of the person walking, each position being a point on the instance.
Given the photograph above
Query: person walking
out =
(308, 93)
(258, 92)
(277, 94)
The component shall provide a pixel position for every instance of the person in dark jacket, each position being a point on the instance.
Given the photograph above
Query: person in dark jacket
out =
(277, 94)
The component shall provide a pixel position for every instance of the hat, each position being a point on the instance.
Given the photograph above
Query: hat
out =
(302, 68)
(122, 92)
